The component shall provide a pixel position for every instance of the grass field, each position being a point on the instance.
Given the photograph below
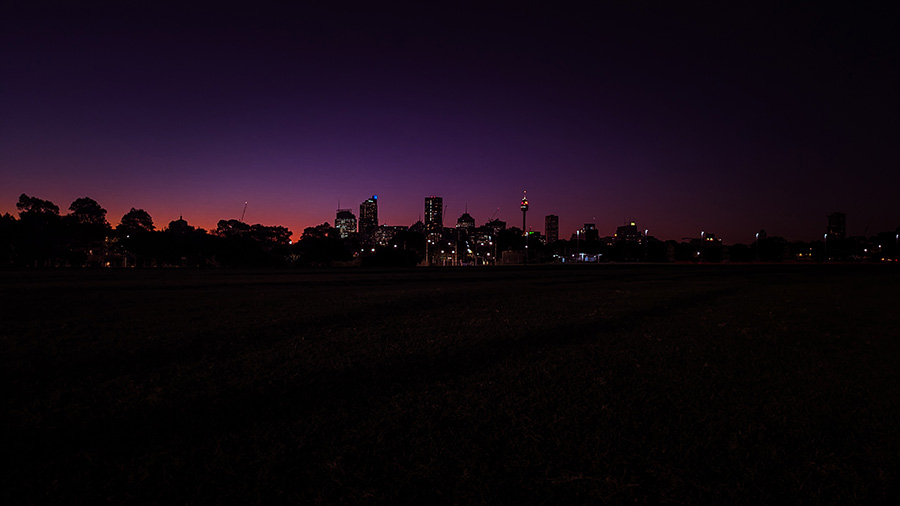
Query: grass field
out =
(666, 384)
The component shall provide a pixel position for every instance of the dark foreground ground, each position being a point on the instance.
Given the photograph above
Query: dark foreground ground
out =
(623, 384)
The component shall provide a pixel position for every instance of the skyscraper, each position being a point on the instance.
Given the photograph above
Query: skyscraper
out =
(466, 221)
(434, 213)
(345, 221)
(589, 232)
(368, 216)
(551, 228)
(628, 233)
(837, 225)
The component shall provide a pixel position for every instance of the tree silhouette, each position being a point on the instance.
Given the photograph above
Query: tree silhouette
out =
(322, 231)
(270, 236)
(511, 239)
(86, 232)
(35, 206)
(8, 226)
(136, 220)
(86, 210)
(231, 228)
(135, 237)
(410, 241)
(241, 245)
(320, 245)
(39, 232)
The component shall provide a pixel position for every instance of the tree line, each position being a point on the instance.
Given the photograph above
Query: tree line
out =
(42, 237)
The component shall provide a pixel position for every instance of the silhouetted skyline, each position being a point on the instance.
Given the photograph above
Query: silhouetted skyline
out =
(726, 119)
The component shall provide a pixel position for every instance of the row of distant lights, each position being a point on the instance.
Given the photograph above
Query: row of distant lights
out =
(702, 234)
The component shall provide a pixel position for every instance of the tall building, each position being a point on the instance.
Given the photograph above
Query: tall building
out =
(837, 225)
(434, 213)
(466, 221)
(345, 221)
(589, 232)
(551, 228)
(496, 226)
(385, 233)
(368, 216)
(628, 233)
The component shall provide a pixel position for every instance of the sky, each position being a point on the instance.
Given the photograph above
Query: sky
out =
(725, 119)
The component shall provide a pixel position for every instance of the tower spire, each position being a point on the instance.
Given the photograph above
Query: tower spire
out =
(524, 207)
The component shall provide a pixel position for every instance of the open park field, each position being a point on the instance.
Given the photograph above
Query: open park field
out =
(671, 384)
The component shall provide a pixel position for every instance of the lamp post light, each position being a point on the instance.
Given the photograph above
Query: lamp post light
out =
(645, 243)
(757, 246)
(577, 243)
(825, 253)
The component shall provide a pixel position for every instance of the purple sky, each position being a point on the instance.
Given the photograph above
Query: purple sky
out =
(682, 120)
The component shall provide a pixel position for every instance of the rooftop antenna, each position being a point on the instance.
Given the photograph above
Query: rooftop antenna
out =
(243, 212)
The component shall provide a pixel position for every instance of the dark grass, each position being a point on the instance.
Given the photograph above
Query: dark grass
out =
(648, 384)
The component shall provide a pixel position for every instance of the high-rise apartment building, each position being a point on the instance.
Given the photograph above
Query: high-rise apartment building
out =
(628, 233)
(345, 221)
(466, 221)
(589, 232)
(368, 216)
(837, 226)
(434, 213)
(551, 228)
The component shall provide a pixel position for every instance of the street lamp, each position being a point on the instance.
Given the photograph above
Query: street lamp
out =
(757, 246)
(645, 243)
(825, 255)
(578, 243)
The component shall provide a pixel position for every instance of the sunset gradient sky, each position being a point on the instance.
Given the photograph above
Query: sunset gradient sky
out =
(726, 119)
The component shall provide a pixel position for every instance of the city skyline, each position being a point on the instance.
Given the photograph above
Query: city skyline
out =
(348, 222)
(727, 120)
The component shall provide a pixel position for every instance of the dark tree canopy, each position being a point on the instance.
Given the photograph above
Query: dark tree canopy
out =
(34, 205)
(511, 238)
(231, 228)
(322, 231)
(274, 235)
(137, 220)
(84, 233)
(86, 210)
